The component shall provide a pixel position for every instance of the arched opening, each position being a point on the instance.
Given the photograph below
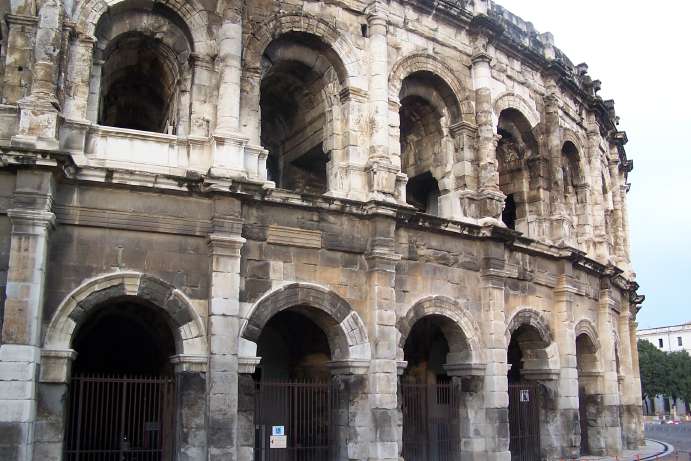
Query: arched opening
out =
(590, 404)
(293, 387)
(516, 149)
(122, 391)
(526, 357)
(428, 105)
(432, 401)
(141, 75)
(300, 111)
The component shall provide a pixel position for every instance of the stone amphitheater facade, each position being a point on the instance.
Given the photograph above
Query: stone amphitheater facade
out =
(210, 170)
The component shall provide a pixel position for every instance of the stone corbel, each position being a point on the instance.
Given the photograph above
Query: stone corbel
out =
(190, 363)
(247, 365)
(472, 375)
(401, 365)
(56, 365)
(348, 367)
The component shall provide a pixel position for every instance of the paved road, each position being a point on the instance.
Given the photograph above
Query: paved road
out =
(678, 435)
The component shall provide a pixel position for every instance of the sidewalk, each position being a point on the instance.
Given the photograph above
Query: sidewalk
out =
(652, 450)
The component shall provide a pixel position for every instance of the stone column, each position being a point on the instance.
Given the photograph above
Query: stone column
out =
(630, 397)
(77, 91)
(636, 384)
(32, 220)
(230, 59)
(225, 243)
(561, 229)
(20, 44)
(52, 400)
(351, 416)
(617, 220)
(610, 386)
(496, 385)
(386, 434)
(202, 94)
(599, 239)
(190, 385)
(567, 396)
(92, 106)
(383, 170)
(459, 204)
(38, 119)
(491, 199)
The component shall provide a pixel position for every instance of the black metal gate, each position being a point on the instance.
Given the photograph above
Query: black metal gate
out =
(524, 421)
(431, 426)
(118, 418)
(294, 421)
(583, 419)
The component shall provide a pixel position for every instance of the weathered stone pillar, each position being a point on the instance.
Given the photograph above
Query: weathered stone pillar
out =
(191, 385)
(225, 242)
(563, 326)
(384, 171)
(470, 414)
(630, 397)
(491, 199)
(93, 101)
(38, 119)
(459, 203)
(52, 401)
(610, 386)
(77, 91)
(385, 432)
(561, 229)
(599, 200)
(230, 59)
(32, 220)
(20, 45)
(202, 93)
(617, 229)
(346, 175)
(636, 385)
(351, 416)
(496, 385)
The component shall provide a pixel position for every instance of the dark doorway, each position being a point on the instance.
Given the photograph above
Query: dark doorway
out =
(430, 399)
(422, 192)
(294, 391)
(122, 392)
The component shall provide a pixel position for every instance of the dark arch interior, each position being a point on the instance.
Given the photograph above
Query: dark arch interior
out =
(138, 86)
(294, 105)
(292, 346)
(124, 338)
(524, 343)
(425, 350)
(516, 145)
(569, 166)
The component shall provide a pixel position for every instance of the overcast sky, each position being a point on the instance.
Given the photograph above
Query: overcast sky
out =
(640, 51)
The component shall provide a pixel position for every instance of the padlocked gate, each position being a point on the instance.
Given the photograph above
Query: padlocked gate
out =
(431, 426)
(295, 421)
(524, 421)
(120, 418)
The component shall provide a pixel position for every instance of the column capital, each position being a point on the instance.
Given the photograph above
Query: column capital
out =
(189, 362)
(481, 57)
(56, 365)
(377, 15)
(22, 220)
(225, 244)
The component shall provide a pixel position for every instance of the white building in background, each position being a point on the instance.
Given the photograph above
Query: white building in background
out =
(670, 338)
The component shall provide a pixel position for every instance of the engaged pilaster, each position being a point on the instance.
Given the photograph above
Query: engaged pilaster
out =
(225, 243)
(32, 220)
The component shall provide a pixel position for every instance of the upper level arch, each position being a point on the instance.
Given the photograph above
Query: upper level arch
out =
(586, 327)
(452, 91)
(189, 15)
(345, 330)
(186, 325)
(341, 53)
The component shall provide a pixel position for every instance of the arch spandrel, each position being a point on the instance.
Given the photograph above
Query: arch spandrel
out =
(346, 330)
(186, 324)
(424, 62)
(465, 331)
(348, 67)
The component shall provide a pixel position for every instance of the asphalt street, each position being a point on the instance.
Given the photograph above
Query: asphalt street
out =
(678, 435)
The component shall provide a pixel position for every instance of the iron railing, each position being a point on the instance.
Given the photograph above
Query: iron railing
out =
(120, 418)
(524, 422)
(431, 426)
(305, 411)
